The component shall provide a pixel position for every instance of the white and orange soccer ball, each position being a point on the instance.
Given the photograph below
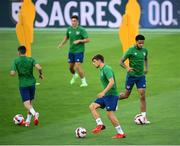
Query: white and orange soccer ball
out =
(80, 132)
(139, 119)
(18, 119)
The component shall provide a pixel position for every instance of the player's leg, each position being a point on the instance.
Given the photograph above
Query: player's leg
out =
(115, 123)
(32, 95)
(93, 108)
(28, 119)
(71, 61)
(78, 65)
(81, 74)
(29, 115)
(26, 94)
(141, 92)
(124, 95)
(72, 70)
(29, 107)
(141, 86)
(129, 85)
(111, 107)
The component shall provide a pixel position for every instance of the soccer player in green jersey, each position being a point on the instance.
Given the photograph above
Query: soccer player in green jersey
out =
(77, 37)
(137, 56)
(24, 67)
(108, 98)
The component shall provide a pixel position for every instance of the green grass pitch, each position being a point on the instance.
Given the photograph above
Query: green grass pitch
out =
(64, 107)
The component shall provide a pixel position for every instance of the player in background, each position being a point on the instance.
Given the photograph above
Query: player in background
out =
(108, 98)
(77, 37)
(137, 56)
(24, 67)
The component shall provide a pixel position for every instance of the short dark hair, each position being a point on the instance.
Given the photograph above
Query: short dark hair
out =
(98, 57)
(75, 17)
(22, 49)
(140, 37)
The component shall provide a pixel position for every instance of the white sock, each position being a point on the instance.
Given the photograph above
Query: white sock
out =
(83, 80)
(99, 122)
(75, 75)
(119, 129)
(32, 111)
(28, 119)
(143, 114)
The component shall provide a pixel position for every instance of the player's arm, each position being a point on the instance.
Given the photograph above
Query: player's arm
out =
(146, 65)
(63, 42)
(39, 68)
(13, 69)
(122, 63)
(86, 40)
(108, 87)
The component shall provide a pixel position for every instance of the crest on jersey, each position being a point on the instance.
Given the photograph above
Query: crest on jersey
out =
(77, 32)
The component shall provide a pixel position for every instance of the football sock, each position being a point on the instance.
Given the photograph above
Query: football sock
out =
(83, 80)
(98, 121)
(28, 119)
(119, 129)
(32, 111)
(143, 114)
(75, 75)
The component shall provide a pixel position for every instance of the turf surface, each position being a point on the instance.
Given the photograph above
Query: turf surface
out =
(64, 107)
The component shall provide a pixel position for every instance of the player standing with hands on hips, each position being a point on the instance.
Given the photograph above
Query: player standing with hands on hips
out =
(77, 36)
(137, 56)
(23, 65)
(108, 98)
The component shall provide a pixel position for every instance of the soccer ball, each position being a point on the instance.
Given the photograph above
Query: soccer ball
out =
(139, 119)
(80, 132)
(18, 119)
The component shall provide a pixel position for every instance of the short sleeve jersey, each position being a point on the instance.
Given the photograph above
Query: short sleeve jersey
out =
(24, 67)
(76, 34)
(105, 74)
(136, 60)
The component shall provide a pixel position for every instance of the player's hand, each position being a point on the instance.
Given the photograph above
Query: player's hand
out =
(100, 95)
(129, 69)
(60, 45)
(77, 42)
(41, 77)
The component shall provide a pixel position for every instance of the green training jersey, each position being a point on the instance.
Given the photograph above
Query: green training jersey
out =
(24, 67)
(105, 74)
(136, 60)
(74, 34)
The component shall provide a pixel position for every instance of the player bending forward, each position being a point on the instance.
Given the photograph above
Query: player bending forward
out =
(108, 98)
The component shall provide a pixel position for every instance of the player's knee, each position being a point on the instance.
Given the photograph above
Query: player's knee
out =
(92, 106)
(78, 65)
(123, 95)
(27, 104)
